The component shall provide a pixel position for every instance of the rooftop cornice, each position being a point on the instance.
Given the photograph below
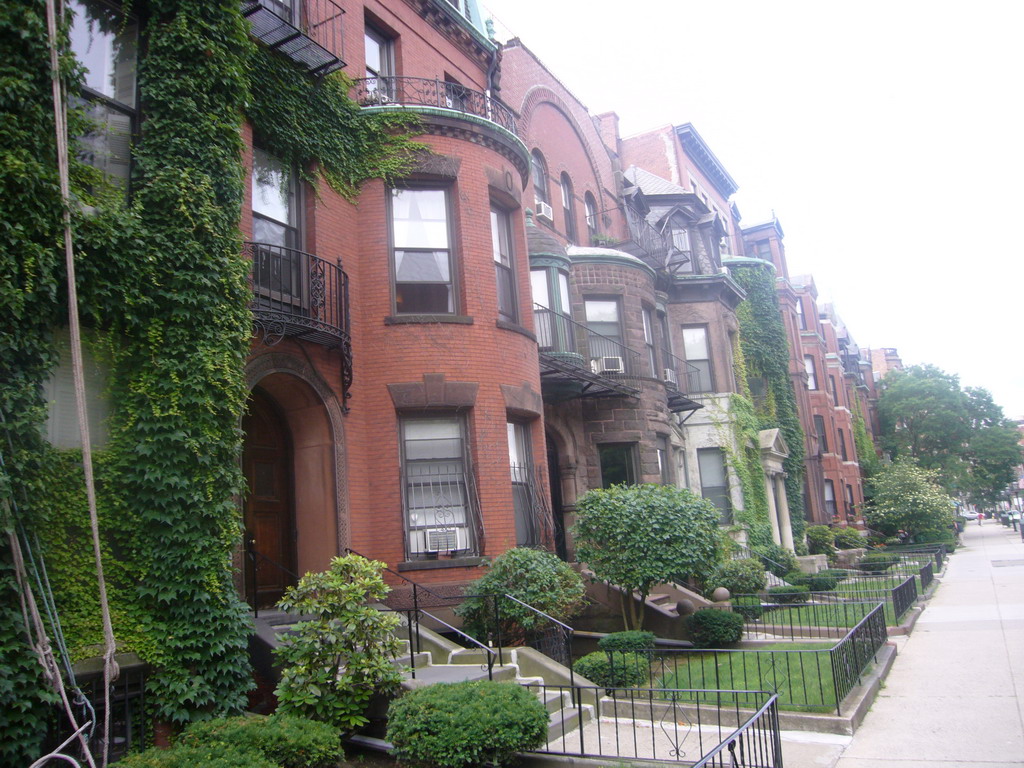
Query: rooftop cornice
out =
(705, 159)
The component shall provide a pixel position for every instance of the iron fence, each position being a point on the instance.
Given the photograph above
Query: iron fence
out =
(799, 621)
(808, 679)
(927, 575)
(425, 92)
(309, 32)
(698, 727)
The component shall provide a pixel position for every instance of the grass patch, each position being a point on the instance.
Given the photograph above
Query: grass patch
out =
(801, 673)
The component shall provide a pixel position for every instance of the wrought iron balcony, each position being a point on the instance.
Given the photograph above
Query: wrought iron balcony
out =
(647, 242)
(300, 295)
(682, 380)
(576, 362)
(424, 92)
(309, 32)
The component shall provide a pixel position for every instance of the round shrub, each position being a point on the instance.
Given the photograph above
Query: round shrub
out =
(793, 594)
(288, 740)
(207, 755)
(848, 538)
(633, 640)
(613, 670)
(820, 540)
(538, 578)
(815, 582)
(777, 559)
(457, 725)
(713, 628)
(877, 562)
(740, 577)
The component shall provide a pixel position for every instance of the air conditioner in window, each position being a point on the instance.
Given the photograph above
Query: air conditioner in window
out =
(607, 365)
(544, 211)
(670, 377)
(446, 539)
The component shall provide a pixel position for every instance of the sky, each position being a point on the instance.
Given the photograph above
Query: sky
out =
(885, 136)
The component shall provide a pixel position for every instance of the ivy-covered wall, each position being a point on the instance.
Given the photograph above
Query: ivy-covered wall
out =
(163, 282)
(765, 358)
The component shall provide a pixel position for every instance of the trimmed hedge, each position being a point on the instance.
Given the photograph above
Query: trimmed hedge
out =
(815, 582)
(848, 538)
(820, 540)
(287, 740)
(613, 670)
(740, 577)
(794, 594)
(205, 755)
(876, 562)
(714, 628)
(632, 640)
(458, 725)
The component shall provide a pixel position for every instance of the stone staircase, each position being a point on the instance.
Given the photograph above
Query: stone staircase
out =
(439, 660)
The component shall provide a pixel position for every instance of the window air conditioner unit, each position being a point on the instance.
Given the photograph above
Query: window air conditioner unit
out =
(446, 539)
(544, 211)
(609, 365)
(670, 377)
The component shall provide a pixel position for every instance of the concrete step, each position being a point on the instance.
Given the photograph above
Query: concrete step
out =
(565, 721)
(455, 673)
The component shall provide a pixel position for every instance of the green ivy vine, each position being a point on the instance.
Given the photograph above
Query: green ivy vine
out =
(765, 356)
(163, 283)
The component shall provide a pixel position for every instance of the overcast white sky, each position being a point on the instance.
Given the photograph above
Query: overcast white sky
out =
(885, 134)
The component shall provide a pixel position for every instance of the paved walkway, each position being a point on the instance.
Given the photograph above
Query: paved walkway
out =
(955, 696)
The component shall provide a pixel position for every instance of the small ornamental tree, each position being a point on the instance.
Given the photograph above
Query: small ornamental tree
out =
(908, 497)
(637, 536)
(336, 661)
(538, 579)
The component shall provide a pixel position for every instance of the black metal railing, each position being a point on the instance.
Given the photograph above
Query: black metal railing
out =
(683, 376)
(561, 337)
(927, 574)
(681, 725)
(254, 561)
(545, 633)
(904, 596)
(534, 524)
(309, 32)
(743, 552)
(811, 679)
(298, 294)
(555, 333)
(653, 244)
(424, 92)
(765, 619)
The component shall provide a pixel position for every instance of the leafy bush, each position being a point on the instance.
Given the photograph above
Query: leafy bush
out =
(714, 628)
(289, 741)
(824, 581)
(777, 559)
(820, 540)
(848, 538)
(456, 725)
(216, 755)
(876, 562)
(636, 536)
(839, 574)
(336, 661)
(633, 640)
(613, 670)
(740, 577)
(537, 578)
(793, 594)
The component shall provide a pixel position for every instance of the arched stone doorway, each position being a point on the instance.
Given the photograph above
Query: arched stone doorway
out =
(293, 461)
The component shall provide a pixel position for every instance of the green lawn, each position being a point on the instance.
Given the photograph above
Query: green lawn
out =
(795, 617)
(801, 673)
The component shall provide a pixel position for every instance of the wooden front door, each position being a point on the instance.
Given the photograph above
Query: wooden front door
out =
(269, 532)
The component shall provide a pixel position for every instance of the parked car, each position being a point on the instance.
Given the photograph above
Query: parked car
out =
(969, 515)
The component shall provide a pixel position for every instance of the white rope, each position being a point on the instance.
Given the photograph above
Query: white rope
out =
(110, 669)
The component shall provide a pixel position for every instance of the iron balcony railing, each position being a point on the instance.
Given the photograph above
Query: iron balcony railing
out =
(683, 376)
(298, 294)
(309, 32)
(424, 92)
(561, 336)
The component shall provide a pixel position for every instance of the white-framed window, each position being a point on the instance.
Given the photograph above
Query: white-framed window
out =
(568, 208)
(697, 352)
(590, 209)
(714, 481)
(539, 174)
(501, 244)
(436, 486)
(812, 372)
(421, 252)
(550, 288)
(380, 62)
(528, 528)
(275, 201)
(830, 498)
(649, 342)
(106, 43)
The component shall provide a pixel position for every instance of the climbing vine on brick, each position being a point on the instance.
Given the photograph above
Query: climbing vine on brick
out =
(766, 356)
(162, 281)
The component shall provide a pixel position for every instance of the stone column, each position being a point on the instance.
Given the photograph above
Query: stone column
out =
(785, 524)
(773, 514)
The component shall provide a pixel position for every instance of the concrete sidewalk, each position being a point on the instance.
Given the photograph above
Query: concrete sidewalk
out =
(955, 696)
